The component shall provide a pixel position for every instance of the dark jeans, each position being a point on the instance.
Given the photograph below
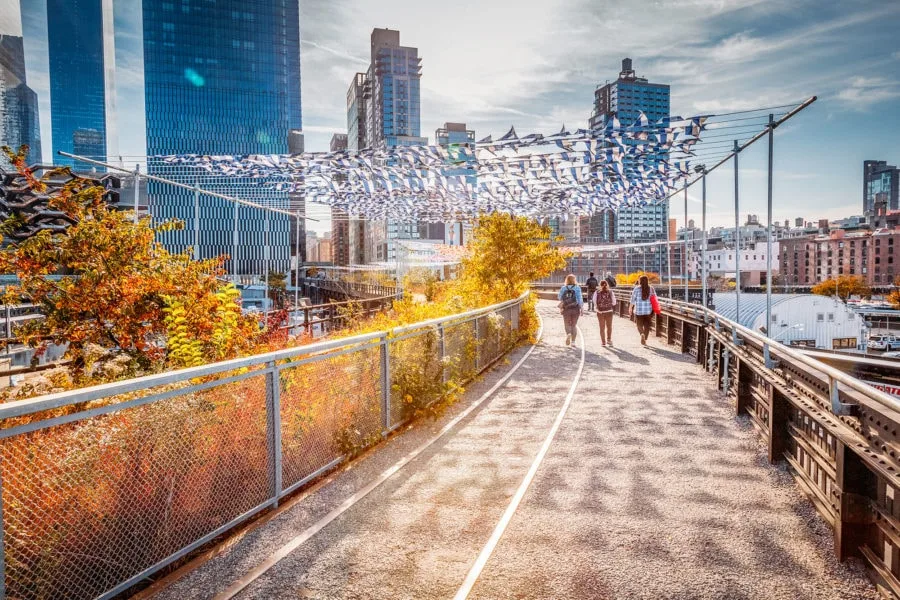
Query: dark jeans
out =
(570, 319)
(590, 299)
(643, 324)
(605, 320)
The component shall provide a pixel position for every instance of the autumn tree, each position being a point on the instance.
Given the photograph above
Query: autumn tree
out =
(844, 286)
(894, 296)
(507, 254)
(106, 281)
(277, 288)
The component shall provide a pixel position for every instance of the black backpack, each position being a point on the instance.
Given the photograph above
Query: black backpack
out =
(611, 281)
(569, 299)
(592, 283)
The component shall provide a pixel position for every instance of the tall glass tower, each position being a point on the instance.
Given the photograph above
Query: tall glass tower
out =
(626, 98)
(222, 78)
(19, 123)
(81, 45)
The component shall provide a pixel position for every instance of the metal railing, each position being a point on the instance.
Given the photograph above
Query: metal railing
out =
(838, 434)
(104, 486)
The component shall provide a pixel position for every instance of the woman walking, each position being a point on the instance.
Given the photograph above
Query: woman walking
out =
(570, 303)
(605, 302)
(642, 307)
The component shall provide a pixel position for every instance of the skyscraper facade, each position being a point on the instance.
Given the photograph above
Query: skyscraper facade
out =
(222, 78)
(881, 181)
(340, 224)
(383, 111)
(626, 98)
(81, 45)
(19, 123)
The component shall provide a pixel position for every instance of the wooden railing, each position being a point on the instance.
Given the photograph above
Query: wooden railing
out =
(839, 435)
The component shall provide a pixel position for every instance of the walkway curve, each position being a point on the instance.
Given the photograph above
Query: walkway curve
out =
(488, 549)
(651, 488)
(295, 543)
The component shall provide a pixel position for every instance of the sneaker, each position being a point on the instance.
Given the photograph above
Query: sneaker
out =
(568, 339)
(643, 340)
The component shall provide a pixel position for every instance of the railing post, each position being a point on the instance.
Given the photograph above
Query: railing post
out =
(778, 424)
(711, 354)
(273, 429)
(477, 346)
(855, 485)
(2, 545)
(443, 348)
(723, 370)
(385, 385)
(743, 395)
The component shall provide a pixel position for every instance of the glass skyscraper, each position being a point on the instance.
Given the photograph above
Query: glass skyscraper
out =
(222, 78)
(81, 46)
(19, 123)
(625, 99)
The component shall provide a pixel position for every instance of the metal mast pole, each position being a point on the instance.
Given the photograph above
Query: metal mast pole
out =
(737, 237)
(137, 190)
(703, 240)
(684, 258)
(266, 269)
(234, 244)
(297, 267)
(196, 221)
(769, 232)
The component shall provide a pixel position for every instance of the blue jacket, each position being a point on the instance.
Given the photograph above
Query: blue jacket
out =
(578, 295)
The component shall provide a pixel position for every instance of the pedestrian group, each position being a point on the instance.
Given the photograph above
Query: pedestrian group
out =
(600, 298)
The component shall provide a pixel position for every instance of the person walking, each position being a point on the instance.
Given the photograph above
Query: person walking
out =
(642, 307)
(570, 304)
(606, 302)
(591, 284)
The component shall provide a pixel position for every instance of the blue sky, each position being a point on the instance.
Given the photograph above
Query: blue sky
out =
(535, 63)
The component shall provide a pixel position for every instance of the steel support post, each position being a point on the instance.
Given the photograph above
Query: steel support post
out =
(703, 250)
(726, 358)
(737, 238)
(297, 266)
(385, 386)
(684, 257)
(266, 268)
(196, 221)
(137, 190)
(769, 234)
(234, 244)
(669, 267)
(273, 429)
(477, 346)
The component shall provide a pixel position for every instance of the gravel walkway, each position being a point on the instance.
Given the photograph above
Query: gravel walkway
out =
(651, 489)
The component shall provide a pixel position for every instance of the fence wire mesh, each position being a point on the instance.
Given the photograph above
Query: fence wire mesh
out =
(93, 503)
(98, 495)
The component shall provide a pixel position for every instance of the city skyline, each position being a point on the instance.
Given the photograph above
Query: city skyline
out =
(717, 57)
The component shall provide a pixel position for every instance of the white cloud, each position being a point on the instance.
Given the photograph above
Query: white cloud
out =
(865, 92)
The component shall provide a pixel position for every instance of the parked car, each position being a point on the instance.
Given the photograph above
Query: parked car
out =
(890, 355)
(883, 342)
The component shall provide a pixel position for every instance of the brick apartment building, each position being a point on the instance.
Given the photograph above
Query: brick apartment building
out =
(872, 255)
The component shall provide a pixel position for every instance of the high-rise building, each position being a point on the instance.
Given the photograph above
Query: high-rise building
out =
(598, 228)
(881, 181)
(297, 204)
(625, 99)
(19, 123)
(223, 78)
(81, 44)
(394, 110)
(338, 142)
(383, 110)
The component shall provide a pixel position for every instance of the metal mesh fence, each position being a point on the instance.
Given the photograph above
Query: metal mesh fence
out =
(416, 374)
(92, 503)
(105, 488)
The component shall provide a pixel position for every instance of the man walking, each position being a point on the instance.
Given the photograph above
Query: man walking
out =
(592, 285)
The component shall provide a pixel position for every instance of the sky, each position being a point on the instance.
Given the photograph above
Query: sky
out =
(535, 64)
